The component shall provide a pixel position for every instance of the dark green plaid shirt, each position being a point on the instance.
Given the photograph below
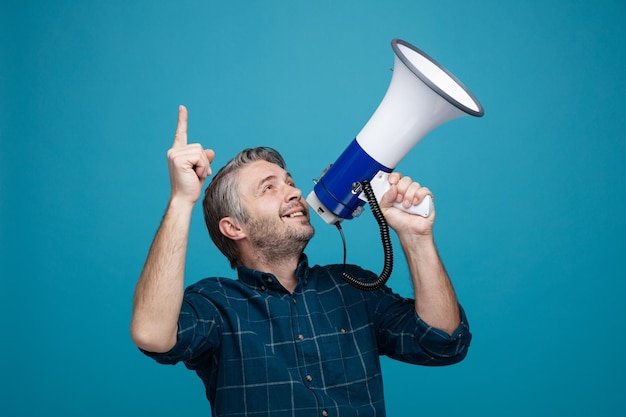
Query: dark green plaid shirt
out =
(262, 351)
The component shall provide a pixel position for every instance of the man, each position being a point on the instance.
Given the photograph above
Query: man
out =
(285, 338)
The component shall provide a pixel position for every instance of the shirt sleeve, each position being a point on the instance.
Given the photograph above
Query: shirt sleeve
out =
(403, 335)
(199, 329)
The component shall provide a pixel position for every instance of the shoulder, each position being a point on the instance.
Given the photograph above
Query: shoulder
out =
(216, 288)
(331, 277)
(336, 270)
(210, 283)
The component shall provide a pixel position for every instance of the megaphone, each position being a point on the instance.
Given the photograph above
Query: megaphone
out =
(421, 96)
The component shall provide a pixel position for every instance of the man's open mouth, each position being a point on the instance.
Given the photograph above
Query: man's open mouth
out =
(295, 214)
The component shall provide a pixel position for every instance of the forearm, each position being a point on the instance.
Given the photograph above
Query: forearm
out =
(435, 299)
(160, 289)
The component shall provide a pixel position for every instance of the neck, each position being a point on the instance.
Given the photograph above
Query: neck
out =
(283, 268)
(286, 275)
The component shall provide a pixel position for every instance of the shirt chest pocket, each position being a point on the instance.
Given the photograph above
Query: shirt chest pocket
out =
(348, 355)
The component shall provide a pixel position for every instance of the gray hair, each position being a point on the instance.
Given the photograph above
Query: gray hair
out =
(221, 198)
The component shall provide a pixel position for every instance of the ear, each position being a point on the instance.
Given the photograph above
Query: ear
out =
(230, 229)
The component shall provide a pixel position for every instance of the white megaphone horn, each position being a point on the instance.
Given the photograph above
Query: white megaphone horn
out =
(421, 96)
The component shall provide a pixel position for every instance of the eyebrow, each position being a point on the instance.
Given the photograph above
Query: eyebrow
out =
(272, 177)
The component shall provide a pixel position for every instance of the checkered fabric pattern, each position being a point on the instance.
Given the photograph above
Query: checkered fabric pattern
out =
(262, 351)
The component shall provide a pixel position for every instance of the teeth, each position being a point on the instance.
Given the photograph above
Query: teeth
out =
(296, 214)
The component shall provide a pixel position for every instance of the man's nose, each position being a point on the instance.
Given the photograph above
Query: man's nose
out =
(293, 193)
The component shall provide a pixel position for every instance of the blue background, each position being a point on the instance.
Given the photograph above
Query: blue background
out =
(530, 197)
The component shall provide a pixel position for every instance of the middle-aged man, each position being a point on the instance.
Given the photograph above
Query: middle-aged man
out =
(286, 338)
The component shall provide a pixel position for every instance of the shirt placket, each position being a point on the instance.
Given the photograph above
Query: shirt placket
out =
(309, 351)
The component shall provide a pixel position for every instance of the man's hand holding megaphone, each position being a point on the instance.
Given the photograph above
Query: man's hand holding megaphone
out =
(406, 192)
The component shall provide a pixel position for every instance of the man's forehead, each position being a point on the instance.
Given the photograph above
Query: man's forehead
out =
(262, 166)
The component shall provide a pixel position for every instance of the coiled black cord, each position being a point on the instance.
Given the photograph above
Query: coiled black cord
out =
(384, 237)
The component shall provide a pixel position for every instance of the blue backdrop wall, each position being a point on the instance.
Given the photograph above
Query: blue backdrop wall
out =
(530, 197)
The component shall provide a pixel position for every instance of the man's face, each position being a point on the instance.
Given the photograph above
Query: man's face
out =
(278, 216)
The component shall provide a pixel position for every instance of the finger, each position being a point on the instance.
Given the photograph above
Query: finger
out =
(408, 195)
(411, 193)
(394, 178)
(421, 195)
(210, 155)
(203, 165)
(180, 139)
(405, 185)
(406, 182)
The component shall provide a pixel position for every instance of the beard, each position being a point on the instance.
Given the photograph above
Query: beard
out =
(276, 240)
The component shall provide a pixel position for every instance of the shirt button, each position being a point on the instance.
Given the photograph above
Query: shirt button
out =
(325, 413)
(309, 378)
(343, 331)
(262, 287)
(300, 337)
(269, 279)
(294, 300)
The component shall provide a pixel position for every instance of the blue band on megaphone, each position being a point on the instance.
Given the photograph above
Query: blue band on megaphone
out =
(335, 188)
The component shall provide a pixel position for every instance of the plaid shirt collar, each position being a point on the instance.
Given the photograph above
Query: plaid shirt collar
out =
(262, 281)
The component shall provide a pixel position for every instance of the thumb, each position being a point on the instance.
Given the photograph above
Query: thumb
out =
(389, 197)
(210, 155)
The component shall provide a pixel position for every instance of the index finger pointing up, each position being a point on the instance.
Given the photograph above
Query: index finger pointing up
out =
(181, 129)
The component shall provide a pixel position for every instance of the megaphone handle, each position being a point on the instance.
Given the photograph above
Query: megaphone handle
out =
(380, 185)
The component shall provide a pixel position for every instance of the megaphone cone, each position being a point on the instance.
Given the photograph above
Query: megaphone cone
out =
(422, 95)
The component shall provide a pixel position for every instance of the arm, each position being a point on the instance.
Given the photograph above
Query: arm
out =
(159, 292)
(435, 299)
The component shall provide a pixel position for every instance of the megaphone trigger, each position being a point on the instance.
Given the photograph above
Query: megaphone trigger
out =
(380, 185)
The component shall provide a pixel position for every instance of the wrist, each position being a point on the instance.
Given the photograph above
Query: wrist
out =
(180, 205)
(417, 239)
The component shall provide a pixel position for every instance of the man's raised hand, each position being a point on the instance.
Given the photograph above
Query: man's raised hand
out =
(406, 192)
(189, 164)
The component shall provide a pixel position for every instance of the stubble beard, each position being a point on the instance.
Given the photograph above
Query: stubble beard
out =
(277, 242)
